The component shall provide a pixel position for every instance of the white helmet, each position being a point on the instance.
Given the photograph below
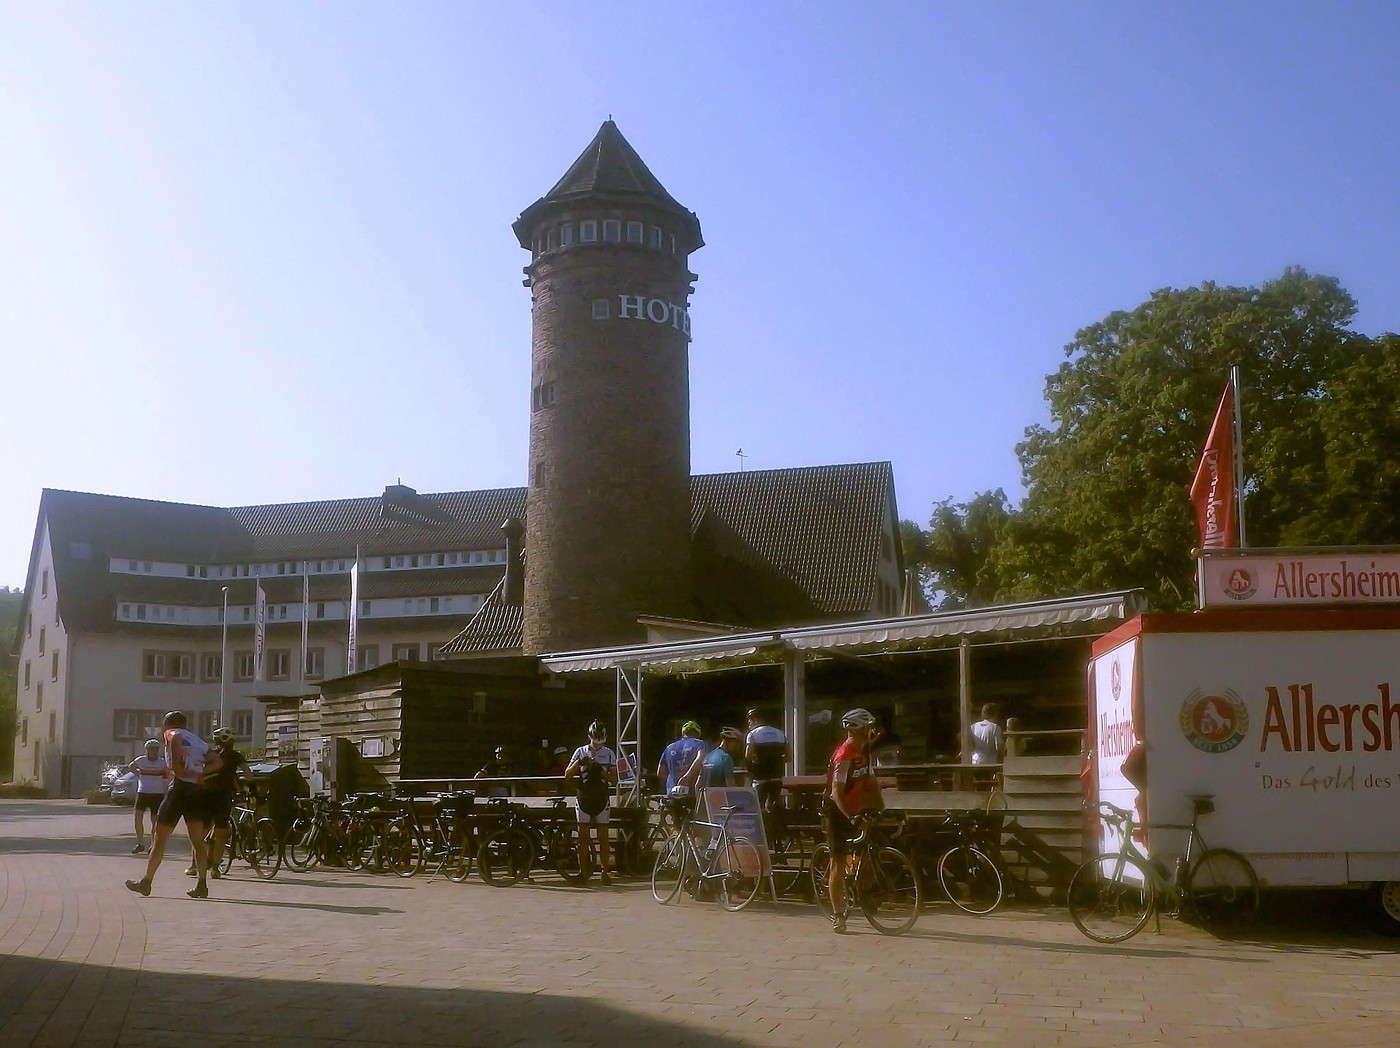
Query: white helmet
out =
(224, 735)
(859, 717)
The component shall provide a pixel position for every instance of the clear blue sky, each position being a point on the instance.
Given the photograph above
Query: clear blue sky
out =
(262, 252)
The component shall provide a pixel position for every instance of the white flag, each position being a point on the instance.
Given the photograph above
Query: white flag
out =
(305, 620)
(354, 613)
(259, 633)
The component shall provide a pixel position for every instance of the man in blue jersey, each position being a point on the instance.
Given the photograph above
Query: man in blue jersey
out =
(677, 758)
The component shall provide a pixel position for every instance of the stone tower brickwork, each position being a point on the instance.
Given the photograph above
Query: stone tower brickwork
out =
(608, 506)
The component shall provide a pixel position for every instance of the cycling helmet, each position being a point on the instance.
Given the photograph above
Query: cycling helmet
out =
(730, 733)
(597, 732)
(691, 728)
(560, 749)
(857, 718)
(224, 735)
(152, 744)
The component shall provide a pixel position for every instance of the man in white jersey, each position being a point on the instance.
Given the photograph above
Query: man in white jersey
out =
(593, 770)
(152, 777)
(191, 759)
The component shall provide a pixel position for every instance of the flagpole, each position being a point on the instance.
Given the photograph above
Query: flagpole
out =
(305, 615)
(1239, 454)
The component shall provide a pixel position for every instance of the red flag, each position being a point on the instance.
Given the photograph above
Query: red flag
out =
(1213, 490)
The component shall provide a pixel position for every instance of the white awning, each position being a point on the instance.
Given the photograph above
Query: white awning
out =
(1046, 618)
(917, 630)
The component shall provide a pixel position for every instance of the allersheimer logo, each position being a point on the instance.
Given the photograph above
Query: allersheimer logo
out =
(1240, 584)
(1214, 723)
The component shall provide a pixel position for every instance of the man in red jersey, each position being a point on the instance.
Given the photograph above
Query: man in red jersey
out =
(852, 790)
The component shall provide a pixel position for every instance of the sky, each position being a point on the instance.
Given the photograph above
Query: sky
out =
(257, 253)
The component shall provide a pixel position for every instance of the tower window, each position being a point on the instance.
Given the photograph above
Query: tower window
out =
(539, 474)
(566, 234)
(588, 231)
(612, 230)
(549, 242)
(656, 237)
(634, 232)
(673, 243)
(543, 396)
(601, 309)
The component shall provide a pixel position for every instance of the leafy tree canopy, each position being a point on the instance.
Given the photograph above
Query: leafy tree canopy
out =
(1107, 503)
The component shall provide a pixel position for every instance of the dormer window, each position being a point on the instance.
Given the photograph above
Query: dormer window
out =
(588, 231)
(634, 232)
(656, 237)
(566, 234)
(612, 230)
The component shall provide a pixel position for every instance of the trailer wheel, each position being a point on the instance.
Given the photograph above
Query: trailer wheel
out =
(1387, 895)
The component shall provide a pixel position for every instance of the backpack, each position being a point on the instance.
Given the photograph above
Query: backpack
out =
(592, 786)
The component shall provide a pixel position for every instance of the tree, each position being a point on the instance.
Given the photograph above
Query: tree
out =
(951, 557)
(10, 600)
(1107, 504)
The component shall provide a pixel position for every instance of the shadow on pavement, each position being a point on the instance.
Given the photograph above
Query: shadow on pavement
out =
(326, 907)
(167, 1008)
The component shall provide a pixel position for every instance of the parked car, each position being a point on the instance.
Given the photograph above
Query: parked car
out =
(124, 788)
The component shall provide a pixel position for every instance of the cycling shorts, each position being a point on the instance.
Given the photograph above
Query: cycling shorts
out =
(839, 830)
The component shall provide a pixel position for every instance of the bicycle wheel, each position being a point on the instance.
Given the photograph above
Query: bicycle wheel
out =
(505, 858)
(744, 875)
(1224, 890)
(1111, 897)
(402, 851)
(298, 834)
(563, 854)
(356, 845)
(670, 870)
(820, 870)
(459, 855)
(970, 879)
(263, 849)
(226, 859)
(789, 859)
(889, 891)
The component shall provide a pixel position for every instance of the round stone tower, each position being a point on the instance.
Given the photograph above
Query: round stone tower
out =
(607, 519)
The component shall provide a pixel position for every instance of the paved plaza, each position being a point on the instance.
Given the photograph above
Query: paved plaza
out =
(329, 957)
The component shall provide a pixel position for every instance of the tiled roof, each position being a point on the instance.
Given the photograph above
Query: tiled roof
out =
(771, 547)
(495, 629)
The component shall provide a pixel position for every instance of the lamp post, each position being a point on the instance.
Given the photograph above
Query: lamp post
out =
(223, 657)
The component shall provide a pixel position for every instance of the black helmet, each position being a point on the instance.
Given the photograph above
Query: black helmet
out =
(597, 732)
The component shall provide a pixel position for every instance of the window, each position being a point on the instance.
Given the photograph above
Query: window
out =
(612, 230)
(44, 584)
(53, 726)
(320, 609)
(29, 625)
(315, 663)
(588, 231)
(170, 613)
(280, 662)
(41, 640)
(282, 612)
(203, 572)
(39, 698)
(452, 558)
(182, 666)
(601, 309)
(656, 237)
(539, 478)
(405, 652)
(566, 234)
(408, 607)
(673, 243)
(24, 732)
(367, 658)
(634, 232)
(364, 610)
(543, 396)
(440, 560)
(131, 565)
(243, 666)
(388, 562)
(247, 614)
(126, 611)
(53, 670)
(414, 562)
(146, 566)
(243, 723)
(398, 562)
(141, 612)
(26, 673)
(432, 609)
(189, 571)
(212, 666)
(549, 244)
(153, 665)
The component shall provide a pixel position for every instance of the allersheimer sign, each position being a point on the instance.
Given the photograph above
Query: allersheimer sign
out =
(1314, 579)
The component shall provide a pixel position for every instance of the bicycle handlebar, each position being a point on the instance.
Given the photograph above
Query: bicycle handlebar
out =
(1114, 815)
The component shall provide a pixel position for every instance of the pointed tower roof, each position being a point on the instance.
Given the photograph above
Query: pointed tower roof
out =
(608, 167)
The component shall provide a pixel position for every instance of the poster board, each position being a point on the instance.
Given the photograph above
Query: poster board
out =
(747, 821)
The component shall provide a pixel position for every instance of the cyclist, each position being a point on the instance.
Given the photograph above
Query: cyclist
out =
(222, 785)
(716, 768)
(190, 759)
(677, 758)
(496, 768)
(852, 790)
(152, 779)
(594, 769)
(765, 753)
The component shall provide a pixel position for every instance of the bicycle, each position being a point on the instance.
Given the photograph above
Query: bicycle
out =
(253, 840)
(385, 840)
(1112, 896)
(509, 854)
(732, 861)
(880, 879)
(968, 875)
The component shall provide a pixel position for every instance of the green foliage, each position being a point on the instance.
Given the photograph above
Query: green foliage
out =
(1107, 503)
(10, 600)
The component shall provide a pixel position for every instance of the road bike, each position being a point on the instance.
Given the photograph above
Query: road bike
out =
(705, 854)
(1113, 895)
(253, 840)
(968, 875)
(508, 855)
(880, 879)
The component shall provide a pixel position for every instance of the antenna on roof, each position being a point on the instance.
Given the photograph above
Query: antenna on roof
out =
(742, 456)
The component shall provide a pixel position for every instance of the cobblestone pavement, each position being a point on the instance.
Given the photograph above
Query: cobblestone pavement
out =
(330, 957)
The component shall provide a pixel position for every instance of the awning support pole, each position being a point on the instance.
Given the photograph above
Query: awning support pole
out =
(965, 700)
(795, 711)
(629, 733)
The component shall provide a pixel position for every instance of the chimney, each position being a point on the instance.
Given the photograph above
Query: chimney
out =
(513, 593)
